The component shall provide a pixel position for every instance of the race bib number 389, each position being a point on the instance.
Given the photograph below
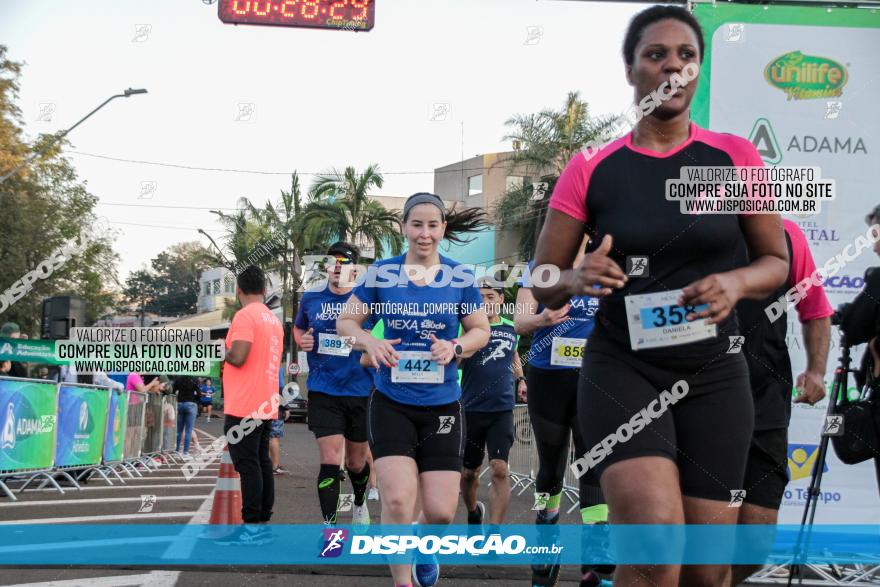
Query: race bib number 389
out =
(656, 320)
(333, 344)
(416, 367)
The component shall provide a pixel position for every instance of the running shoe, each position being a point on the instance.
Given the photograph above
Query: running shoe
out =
(279, 470)
(591, 579)
(425, 570)
(544, 573)
(373, 494)
(477, 516)
(360, 515)
(248, 535)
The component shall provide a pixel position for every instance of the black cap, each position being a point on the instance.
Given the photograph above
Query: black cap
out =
(343, 249)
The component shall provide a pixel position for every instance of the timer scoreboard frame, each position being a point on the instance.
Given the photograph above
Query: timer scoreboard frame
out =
(348, 15)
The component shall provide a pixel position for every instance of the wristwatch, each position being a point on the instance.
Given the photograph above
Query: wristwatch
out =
(518, 379)
(457, 349)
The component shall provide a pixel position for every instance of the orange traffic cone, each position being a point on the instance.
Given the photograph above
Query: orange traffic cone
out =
(226, 509)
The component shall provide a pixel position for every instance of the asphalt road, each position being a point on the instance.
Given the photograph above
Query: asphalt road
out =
(178, 501)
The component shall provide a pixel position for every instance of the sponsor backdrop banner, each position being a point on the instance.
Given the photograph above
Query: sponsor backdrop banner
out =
(27, 424)
(801, 84)
(82, 423)
(29, 351)
(117, 415)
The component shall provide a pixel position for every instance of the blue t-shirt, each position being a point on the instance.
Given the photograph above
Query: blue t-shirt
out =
(413, 313)
(328, 373)
(581, 319)
(487, 376)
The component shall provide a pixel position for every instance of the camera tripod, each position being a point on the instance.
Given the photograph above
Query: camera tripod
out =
(841, 375)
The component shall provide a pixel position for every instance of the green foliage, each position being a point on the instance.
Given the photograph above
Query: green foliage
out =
(46, 206)
(548, 139)
(171, 287)
(340, 209)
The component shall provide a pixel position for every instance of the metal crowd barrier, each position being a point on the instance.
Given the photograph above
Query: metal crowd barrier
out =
(76, 431)
(523, 460)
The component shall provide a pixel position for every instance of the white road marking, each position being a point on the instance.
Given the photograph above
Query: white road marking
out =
(111, 488)
(89, 519)
(154, 579)
(96, 500)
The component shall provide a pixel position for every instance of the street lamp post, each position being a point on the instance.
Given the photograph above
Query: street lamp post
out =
(61, 135)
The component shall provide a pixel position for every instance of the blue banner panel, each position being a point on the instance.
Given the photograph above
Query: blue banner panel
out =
(156, 545)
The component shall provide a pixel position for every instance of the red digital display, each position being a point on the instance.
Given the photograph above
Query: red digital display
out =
(354, 15)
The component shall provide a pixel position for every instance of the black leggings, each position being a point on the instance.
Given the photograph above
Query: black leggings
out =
(554, 417)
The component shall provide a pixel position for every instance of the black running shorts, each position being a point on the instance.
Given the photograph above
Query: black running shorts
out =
(767, 468)
(433, 436)
(492, 431)
(707, 432)
(338, 414)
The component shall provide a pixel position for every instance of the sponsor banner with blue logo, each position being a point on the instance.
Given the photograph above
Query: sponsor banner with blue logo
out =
(156, 545)
(82, 423)
(114, 438)
(27, 423)
(804, 94)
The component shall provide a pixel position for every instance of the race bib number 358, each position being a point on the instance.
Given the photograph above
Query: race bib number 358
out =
(656, 320)
(417, 367)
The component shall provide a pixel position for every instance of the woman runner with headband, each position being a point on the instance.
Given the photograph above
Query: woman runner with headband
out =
(666, 332)
(414, 419)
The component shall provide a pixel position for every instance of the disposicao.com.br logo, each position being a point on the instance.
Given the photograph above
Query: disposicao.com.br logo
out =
(478, 545)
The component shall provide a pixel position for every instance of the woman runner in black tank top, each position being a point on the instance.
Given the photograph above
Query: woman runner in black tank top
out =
(682, 465)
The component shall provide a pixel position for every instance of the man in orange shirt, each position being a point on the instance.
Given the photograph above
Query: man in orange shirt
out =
(250, 383)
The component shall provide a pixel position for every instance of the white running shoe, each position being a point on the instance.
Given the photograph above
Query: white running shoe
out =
(360, 515)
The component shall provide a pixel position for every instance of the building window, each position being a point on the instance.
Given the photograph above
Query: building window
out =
(216, 283)
(475, 185)
(230, 284)
(515, 182)
(207, 288)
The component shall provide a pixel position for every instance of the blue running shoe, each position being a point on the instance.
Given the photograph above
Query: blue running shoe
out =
(425, 571)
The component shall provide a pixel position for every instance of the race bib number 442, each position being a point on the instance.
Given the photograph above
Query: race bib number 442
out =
(416, 367)
(656, 320)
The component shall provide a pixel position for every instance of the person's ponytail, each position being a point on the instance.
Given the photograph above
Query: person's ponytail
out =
(460, 222)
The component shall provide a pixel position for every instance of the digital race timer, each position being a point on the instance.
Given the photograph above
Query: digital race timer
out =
(356, 15)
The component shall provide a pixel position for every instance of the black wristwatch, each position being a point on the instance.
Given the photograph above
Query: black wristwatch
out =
(457, 349)
(518, 379)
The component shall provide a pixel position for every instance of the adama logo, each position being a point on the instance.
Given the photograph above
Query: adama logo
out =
(804, 77)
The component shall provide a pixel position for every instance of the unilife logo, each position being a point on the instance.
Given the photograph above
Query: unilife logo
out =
(804, 77)
(7, 438)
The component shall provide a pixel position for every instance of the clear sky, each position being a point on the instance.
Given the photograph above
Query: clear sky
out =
(320, 98)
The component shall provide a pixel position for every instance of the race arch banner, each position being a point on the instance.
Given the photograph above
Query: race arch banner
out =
(82, 423)
(27, 424)
(801, 83)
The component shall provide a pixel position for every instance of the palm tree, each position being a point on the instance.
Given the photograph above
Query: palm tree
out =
(340, 209)
(548, 139)
(288, 240)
